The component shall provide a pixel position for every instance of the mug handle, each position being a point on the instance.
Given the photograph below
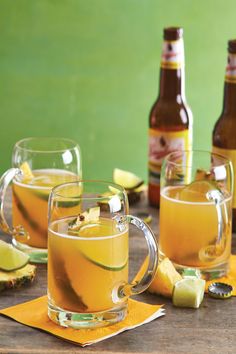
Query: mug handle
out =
(137, 287)
(5, 180)
(217, 197)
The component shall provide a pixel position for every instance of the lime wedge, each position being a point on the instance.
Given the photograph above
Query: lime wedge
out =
(126, 179)
(189, 292)
(11, 258)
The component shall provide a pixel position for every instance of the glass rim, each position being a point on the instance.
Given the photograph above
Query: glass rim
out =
(73, 143)
(82, 238)
(224, 159)
(96, 197)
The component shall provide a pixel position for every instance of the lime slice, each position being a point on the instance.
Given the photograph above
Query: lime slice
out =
(197, 191)
(110, 253)
(126, 179)
(189, 292)
(11, 258)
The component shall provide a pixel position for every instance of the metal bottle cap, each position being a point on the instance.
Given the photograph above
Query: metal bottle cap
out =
(220, 290)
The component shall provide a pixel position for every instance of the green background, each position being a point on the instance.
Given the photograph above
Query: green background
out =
(89, 70)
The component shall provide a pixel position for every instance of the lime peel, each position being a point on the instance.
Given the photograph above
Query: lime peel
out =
(126, 179)
(11, 258)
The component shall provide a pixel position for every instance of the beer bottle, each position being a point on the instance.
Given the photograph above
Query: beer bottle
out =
(170, 119)
(224, 133)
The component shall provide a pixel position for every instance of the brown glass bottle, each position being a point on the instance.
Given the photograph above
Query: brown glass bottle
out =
(224, 133)
(170, 119)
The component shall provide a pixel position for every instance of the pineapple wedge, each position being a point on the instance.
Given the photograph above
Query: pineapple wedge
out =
(17, 278)
(165, 279)
(28, 174)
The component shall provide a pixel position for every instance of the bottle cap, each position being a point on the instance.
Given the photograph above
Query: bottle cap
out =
(144, 216)
(232, 46)
(220, 290)
(173, 33)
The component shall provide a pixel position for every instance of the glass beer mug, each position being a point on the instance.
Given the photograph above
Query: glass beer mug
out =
(195, 211)
(88, 254)
(38, 164)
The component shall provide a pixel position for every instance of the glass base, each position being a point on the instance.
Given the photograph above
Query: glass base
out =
(207, 273)
(215, 272)
(76, 320)
(37, 255)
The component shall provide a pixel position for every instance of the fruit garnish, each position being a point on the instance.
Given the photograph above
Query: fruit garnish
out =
(165, 279)
(101, 252)
(146, 217)
(126, 179)
(26, 215)
(203, 175)
(189, 292)
(17, 278)
(11, 258)
(197, 191)
(92, 215)
(27, 172)
(134, 195)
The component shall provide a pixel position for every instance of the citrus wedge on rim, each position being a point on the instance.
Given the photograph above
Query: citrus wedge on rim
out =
(197, 191)
(189, 292)
(126, 179)
(27, 172)
(11, 258)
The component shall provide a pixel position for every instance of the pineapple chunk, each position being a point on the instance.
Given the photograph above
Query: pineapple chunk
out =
(165, 279)
(92, 215)
(28, 174)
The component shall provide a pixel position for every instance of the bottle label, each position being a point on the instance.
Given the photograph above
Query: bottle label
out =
(161, 143)
(231, 155)
(230, 75)
(172, 54)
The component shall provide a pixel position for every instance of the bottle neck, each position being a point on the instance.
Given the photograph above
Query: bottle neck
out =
(229, 105)
(172, 84)
(172, 81)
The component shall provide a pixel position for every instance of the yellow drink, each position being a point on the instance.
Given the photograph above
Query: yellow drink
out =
(83, 270)
(189, 228)
(30, 203)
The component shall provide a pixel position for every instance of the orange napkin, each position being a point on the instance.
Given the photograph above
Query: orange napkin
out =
(231, 276)
(138, 313)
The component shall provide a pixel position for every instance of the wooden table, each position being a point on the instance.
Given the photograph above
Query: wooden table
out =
(210, 329)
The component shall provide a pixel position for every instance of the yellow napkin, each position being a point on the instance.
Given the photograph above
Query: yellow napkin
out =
(138, 313)
(231, 276)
